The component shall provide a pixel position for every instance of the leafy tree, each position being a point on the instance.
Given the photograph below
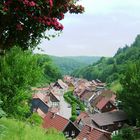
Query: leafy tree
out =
(111, 69)
(125, 133)
(24, 22)
(35, 119)
(50, 72)
(2, 113)
(130, 95)
(19, 71)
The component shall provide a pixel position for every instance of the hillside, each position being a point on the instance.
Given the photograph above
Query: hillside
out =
(68, 64)
(11, 129)
(110, 69)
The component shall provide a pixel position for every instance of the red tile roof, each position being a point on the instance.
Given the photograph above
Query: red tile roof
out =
(102, 103)
(91, 133)
(113, 98)
(52, 120)
(41, 96)
(82, 115)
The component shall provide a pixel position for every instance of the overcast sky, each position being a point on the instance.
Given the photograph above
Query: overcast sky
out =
(105, 26)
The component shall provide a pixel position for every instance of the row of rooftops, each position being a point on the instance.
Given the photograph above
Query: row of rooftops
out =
(87, 130)
(89, 125)
(83, 82)
(49, 95)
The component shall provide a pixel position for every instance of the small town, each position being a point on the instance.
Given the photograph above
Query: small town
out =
(69, 69)
(81, 109)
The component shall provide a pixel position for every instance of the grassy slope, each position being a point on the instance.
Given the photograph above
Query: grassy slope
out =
(16, 130)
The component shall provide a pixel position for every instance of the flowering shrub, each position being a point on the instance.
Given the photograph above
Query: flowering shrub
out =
(23, 22)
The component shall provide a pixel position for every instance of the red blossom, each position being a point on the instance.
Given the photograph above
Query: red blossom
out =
(8, 2)
(43, 13)
(26, 2)
(51, 3)
(5, 9)
(32, 4)
(19, 27)
(16, 9)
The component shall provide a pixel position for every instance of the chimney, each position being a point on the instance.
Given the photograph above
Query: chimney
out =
(53, 115)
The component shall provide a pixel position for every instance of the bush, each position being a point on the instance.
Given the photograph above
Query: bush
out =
(35, 119)
(73, 118)
(125, 133)
(71, 99)
(74, 109)
(82, 107)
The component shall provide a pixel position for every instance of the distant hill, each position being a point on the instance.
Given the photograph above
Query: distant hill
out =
(111, 69)
(68, 64)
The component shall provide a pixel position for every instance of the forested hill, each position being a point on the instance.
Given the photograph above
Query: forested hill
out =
(68, 64)
(110, 69)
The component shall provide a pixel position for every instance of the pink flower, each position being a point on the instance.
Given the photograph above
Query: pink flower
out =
(32, 4)
(5, 9)
(16, 9)
(19, 27)
(26, 2)
(51, 3)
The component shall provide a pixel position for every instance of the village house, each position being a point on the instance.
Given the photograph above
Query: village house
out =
(54, 99)
(92, 133)
(104, 105)
(52, 120)
(68, 80)
(109, 121)
(42, 102)
(103, 101)
(99, 85)
(88, 130)
(82, 120)
(86, 96)
(63, 87)
(39, 101)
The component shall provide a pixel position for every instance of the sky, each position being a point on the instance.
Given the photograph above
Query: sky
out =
(105, 26)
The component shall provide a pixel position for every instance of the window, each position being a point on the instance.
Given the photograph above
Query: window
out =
(110, 106)
(119, 124)
(107, 106)
(66, 133)
(73, 133)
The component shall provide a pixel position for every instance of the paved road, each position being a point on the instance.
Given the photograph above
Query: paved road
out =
(65, 111)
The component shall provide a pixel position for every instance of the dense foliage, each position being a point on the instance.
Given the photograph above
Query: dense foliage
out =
(2, 113)
(19, 71)
(11, 129)
(68, 64)
(125, 133)
(130, 95)
(75, 104)
(111, 69)
(50, 71)
(24, 22)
